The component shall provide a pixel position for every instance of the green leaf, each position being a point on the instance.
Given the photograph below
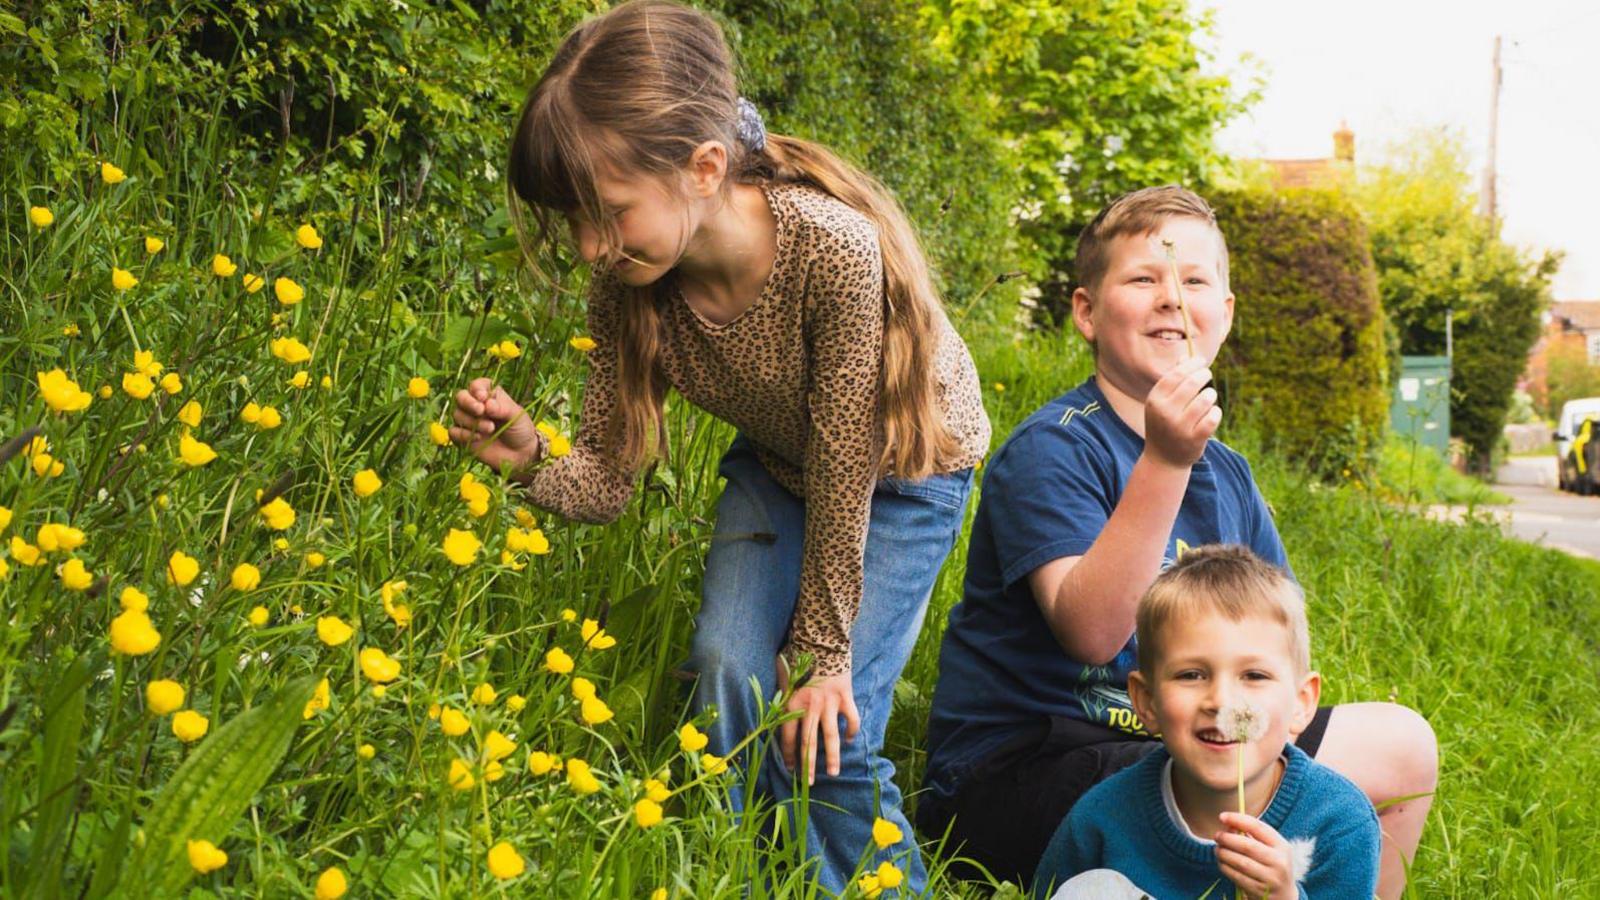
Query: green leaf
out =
(213, 787)
(57, 772)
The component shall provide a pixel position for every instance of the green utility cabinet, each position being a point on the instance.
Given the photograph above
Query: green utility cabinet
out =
(1420, 409)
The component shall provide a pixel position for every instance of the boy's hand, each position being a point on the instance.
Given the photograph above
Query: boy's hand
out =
(1181, 414)
(493, 426)
(1256, 858)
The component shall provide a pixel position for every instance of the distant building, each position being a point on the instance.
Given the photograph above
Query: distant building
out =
(1332, 172)
(1568, 323)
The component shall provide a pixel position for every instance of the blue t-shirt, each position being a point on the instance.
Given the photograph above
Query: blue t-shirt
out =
(1047, 493)
(1124, 824)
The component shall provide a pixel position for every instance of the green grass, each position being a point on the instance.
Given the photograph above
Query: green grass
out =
(1493, 640)
(1412, 474)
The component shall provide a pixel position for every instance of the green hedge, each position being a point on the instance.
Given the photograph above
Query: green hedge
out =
(1306, 359)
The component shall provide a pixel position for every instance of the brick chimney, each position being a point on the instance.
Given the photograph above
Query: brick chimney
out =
(1344, 143)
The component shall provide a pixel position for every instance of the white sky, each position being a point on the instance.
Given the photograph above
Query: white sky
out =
(1391, 66)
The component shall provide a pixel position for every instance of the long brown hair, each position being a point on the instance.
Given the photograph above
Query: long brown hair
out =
(639, 88)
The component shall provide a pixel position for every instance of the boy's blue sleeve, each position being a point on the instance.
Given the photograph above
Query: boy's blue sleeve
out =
(1074, 848)
(1264, 539)
(1056, 494)
(1345, 863)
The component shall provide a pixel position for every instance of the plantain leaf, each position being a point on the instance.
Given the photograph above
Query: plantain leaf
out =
(213, 787)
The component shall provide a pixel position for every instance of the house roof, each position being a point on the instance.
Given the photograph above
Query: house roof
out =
(1583, 315)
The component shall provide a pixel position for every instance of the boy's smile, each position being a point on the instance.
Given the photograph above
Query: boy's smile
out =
(1209, 663)
(1133, 318)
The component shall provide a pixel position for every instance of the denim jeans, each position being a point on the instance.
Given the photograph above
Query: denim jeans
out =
(751, 584)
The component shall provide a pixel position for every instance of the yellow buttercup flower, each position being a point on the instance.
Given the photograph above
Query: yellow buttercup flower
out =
(307, 237)
(182, 568)
(61, 393)
(399, 612)
(154, 245)
(122, 279)
(505, 350)
(110, 174)
(137, 385)
(5, 517)
(327, 382)
(516, 702)
(885, 833)
(569, 615)
(245, 577)
(278, 515)
(300, 380)
(74, 577)
(582, 343)
(5, 569)
(692, 739)
(172, 382)
(453, 722)
(204, 855)
(331, 884)
(580, 777)
(541, 763)
(194, 452)
(497, 746)
(557, 661)
(315, 560)
(288, 292)
(145, 361)
(366, 483)
(133, 600)
(251, 413)
(40, 216)
(319, 700)
(595, 711)
(560, 444)
(378, 666)
(659, 893)
(253, 283)
(189, 414)
(504, 861)
(461, 547)
(522, 541)
(595, 637)
(484, 694)
(646, 813)
(163, 696)
(133, 633)
(259, 616)
(656, 790)
(190, 726)
(713, 764)
(222, 266)
(460, 775)
(333, 631)
(71, 329)
(475, 493)
(54, 536)
(439, 434)
(417, 388)
(291, 351)
(367, 751)
(582, 688)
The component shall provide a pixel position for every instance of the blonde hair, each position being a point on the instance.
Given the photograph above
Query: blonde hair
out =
(639, 88)
(1139, 212)
(1226, 579)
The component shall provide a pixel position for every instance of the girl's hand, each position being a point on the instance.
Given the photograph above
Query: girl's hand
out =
(493, 426)
(822, 700)
(1256, 858)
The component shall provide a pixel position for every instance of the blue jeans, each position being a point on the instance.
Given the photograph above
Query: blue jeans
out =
(752, 581)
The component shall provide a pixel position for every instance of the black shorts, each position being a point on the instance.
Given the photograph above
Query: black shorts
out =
(1010, 805)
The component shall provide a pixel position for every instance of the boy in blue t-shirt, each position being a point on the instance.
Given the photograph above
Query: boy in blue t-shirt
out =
(1081, 508)
(1225, 679)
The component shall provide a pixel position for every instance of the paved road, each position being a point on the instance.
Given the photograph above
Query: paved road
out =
(1542, 514)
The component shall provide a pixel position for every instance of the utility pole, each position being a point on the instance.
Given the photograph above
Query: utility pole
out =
(1488, 198)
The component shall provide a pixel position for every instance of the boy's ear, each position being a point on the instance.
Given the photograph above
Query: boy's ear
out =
(1305, 705)
(1143, 702)
(1083, 313)
(708, 166)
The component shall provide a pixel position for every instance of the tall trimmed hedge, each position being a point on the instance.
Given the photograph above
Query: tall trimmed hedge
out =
(1306, 359)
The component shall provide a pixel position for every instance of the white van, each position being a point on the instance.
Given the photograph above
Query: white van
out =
(1573, 412)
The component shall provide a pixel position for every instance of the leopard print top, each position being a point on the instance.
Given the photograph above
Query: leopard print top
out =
(797, 372)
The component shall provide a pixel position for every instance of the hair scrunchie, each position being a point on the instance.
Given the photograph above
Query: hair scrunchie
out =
(752, 131)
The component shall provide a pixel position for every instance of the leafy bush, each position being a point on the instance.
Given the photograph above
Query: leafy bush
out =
(1306, 358)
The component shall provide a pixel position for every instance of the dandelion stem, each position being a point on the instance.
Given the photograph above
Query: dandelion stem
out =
(1177, 287)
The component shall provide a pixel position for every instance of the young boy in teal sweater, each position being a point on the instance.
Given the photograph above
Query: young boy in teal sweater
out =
(1225, 680)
